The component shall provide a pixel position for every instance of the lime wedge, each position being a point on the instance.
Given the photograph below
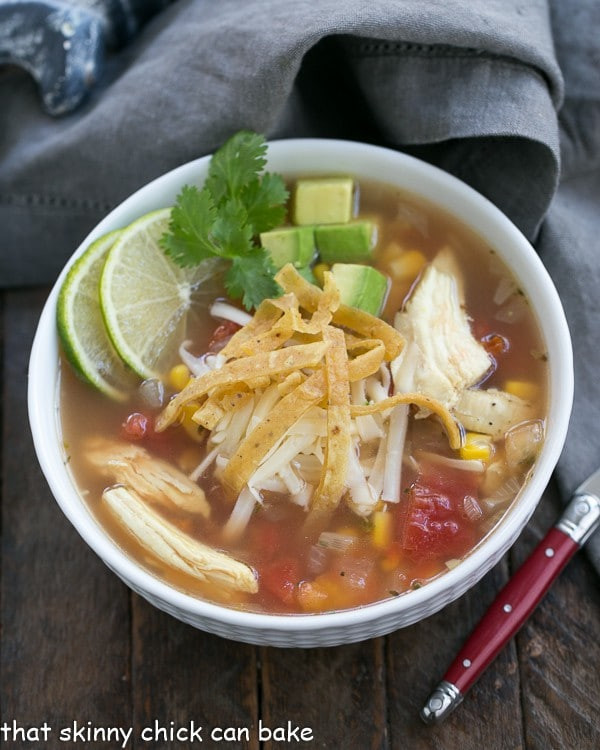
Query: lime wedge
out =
(145, 297)
(81, 325)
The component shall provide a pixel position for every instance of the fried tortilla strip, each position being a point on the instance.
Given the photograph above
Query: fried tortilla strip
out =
(253, 449)
(263, 320)
(362, 322)
(367, 363)
(171, 545)
(217, 405)
(152, 478)
(243, 370)
(419, 399)
(332, 483)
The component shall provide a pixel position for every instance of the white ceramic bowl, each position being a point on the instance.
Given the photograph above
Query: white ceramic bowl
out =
(304, 156)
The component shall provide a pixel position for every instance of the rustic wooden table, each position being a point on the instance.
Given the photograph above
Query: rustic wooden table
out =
(78, 647)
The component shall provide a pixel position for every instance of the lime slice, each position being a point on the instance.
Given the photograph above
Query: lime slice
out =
(81, 325)
(145, 297)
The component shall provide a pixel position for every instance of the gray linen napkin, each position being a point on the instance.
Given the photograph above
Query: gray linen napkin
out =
(476, 88)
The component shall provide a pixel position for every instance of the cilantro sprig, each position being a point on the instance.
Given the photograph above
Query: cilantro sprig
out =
(223, 219)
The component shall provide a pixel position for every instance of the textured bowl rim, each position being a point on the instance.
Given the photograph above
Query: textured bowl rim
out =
(368, 162)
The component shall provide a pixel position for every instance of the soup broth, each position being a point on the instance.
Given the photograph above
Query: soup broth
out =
(448, 501)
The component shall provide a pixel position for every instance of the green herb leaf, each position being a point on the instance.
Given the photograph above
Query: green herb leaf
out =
(265, 202)
(251, 277)
(223, 219)
(192, 217)
(236, 164)
(231, 230)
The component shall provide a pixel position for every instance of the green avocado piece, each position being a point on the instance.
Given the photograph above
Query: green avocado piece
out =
(337, 243)
(290, 245)
(323, 200)
(361, 286)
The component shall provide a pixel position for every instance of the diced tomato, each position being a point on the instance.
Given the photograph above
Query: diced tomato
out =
(495, 344)
(222, 334)
(136, 426)
(431, 522)
(280, 578)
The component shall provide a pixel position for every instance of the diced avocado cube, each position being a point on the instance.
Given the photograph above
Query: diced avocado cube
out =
(290, 245)
(360, 286)
(323, 200)
(337, 243)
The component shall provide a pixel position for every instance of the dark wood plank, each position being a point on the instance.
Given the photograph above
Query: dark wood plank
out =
(419, 655)
(337, 692)
(559, 649)
(181, 675)
(65, 618)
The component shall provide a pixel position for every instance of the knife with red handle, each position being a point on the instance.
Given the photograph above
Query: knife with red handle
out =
(517, 600)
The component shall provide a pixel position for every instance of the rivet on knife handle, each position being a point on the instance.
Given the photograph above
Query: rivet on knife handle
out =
(514, 604)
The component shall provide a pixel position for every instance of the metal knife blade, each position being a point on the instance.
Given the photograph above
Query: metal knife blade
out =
(591, 486)
(582, 515)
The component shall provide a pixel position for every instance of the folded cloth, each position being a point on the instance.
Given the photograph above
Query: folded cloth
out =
(476, 88)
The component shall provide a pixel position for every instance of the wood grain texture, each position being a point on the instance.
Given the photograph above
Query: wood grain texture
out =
(338, 692)
(63, 654)
(181, 674)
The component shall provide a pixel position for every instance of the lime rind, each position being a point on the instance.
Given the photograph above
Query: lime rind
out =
(81, 326)
(145, 297)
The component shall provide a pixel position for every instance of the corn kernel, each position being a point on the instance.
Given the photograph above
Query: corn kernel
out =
(476, 447)
(192, 428)
(319, 272)
(179, 377)
(382, 530)
(524, 389)
(407, 265)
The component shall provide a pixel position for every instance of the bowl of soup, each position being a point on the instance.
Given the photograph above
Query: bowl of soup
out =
(348, 455)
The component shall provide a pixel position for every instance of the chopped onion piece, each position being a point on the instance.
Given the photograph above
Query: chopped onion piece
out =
(152, 392)
(504, 494)
(450, 564)
(470, 464)
(505, 289)
(317, 560)
(202, 364)
(335, 541)
(513, 311)
(240, 515)
(523, 442)
(229, 312)
(472, 508)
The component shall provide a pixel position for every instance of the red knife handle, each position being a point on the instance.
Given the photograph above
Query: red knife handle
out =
(511, 608)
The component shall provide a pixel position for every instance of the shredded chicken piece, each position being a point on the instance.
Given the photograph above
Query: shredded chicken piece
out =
(449, 358)
(491, 411)
(152, 478)
(173, 546)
